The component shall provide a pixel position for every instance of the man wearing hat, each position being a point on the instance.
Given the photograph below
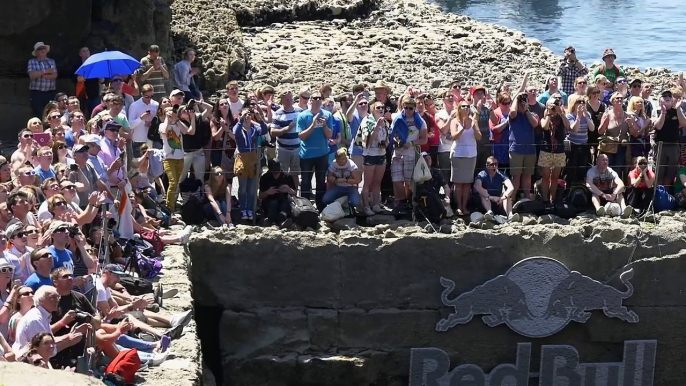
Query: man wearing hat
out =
(275, 187)
(381, 94)
(42, 74)
(570, 69)
(609, 69)
(668, 131)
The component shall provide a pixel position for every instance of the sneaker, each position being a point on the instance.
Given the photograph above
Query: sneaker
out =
(174, 333)
(158, 358)
(244, 215)
(368, 211)
(489, 216)
(600, 212)
(287, 224)
(182, 319)
(250, 214)
(170, 294)
(377, 209)
(186, 234)
(628, 211)
(516, 218)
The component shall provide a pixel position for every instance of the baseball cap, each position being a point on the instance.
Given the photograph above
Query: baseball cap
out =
(112, 125)
(636, 80)
(476, 88)
(115, 269)
(274, 165)
(13, 229)
(58, 224)
(92, 139)
(666, 93)
(177, 92)
(81, 148)
(425, 154)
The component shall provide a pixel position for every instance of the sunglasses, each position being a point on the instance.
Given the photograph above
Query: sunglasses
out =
(618, 99)
(61, 203)
(26, 294)
(60, 230)
(78, 116)
(69, 187)
(223, 104)
(38, 362)
(491, 164)
(116, 103)
(117, 80)
(643, 163)
(595, 92)
(55, 117)
(218, 174)
(66, 276)
(456, 87)
(112, 129)
(45, 256)
(316, 98)
(621, 81)
(584, 82)
(464, 107)
(27, 136)
(31, 232)
(506, 102)
(61, 147)
(147, 96)
(30, 173)
(6, 270)
(379, 108)
(363, 104)
(408, 108)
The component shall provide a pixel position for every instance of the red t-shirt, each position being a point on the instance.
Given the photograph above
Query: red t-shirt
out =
(635, 172)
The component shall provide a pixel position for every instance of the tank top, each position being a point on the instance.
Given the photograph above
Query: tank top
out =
(619, 130)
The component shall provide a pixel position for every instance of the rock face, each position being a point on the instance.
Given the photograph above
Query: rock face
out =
(346, 309)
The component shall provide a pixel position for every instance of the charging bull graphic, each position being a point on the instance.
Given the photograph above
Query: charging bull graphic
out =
(537, 297)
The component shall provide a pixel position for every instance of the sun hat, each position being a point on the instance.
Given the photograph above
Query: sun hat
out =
(381, 84)
(39, 45)
(609, 51)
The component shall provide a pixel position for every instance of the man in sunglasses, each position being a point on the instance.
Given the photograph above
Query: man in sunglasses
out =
(140, 116)
(635, 90)
(41, 262)
(17, 235)
(23, 152)
(570, 69)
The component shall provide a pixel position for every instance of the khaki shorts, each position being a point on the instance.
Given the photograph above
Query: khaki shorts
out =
(522, 164)
(290, 162)
(552, 160)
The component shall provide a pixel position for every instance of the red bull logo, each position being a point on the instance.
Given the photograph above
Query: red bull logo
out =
(559, 366)
(536, 298)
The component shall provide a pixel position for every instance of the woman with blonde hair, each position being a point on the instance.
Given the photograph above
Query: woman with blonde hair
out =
(580, 124)
(465, 136)
(613, 131)
(375, 130)
(218, 197)
(603, 84)
(639, 125)
(22, 303)
(580, 86)
(35, 125)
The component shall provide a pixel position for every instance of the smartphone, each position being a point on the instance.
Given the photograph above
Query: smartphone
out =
(43, 139)
(17, 282)
(122, 156)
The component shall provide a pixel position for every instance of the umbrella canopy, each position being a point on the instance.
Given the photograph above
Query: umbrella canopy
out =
(108, 64)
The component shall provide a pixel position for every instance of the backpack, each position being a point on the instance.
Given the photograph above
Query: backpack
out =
(564, 210)
(559, 194)
(577, 196)
(152, 237)
(154, 130)
(663, 200)
(125, 364)
(304, 213)
(601, 70)
(136, 286)
(526, 206)
(429, 206)
(192, 212)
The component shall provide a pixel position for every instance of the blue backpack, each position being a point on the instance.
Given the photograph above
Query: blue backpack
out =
(663, 200)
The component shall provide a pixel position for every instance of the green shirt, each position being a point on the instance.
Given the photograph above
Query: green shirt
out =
(610, 73)
(678, 185)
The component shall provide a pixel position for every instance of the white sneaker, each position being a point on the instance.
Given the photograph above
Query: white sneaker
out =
(181, 319)
(377, 209)
(250, 215)
(158, 358)
(185, 236)
(368, 211)
(489, 216)
(244, 215)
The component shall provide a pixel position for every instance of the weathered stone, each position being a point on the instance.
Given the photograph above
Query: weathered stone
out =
(378, 219)
(322, 325)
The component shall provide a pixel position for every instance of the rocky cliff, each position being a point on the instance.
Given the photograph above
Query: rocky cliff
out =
(342, 309)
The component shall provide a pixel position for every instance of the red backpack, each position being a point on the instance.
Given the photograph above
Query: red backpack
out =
(125, 364)
(602, 70)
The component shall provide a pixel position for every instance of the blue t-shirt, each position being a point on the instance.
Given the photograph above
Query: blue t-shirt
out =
(543, 98)
(494, 185)
(316, 145)
(45, 174)
(61, 258)
(354, 125)
(335, 132)
(36, 281)
(522, 139)
(69, 137)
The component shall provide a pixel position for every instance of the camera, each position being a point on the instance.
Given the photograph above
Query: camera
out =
(111, 223)
(73, 230)
(522, 98)
(74, 167)
(556, 102)
(191, 104)
(175, 109)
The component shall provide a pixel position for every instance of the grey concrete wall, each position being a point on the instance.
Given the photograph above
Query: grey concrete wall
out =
(348, 308)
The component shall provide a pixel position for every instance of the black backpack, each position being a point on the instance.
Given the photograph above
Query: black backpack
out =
(429, 206)
(526, 206)
(304, 213)
(192, 212)
(154, 130)
(578, 197)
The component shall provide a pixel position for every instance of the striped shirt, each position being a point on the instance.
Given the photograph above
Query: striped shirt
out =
(581, 135)
(41, 84)
(289, 142)
(156, 79)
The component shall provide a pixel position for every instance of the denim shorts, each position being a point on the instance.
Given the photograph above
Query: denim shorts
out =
(374, 160)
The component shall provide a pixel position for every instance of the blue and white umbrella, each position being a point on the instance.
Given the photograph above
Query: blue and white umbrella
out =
(108, 64)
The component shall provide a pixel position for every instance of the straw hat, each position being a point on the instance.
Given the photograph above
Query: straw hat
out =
(39, 45)
(381, 84)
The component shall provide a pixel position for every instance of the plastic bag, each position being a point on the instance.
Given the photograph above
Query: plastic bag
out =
(332, 212)
(421, 171)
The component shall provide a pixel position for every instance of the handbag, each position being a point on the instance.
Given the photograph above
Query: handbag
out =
(607, 144)
(245, 165)
(421, 171)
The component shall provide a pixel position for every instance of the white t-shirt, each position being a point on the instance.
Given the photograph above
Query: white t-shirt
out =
(414, 128)
(104, 294)
(445, 144)
(172, 141)
(236, 107)
(465, 146)
(345, 171)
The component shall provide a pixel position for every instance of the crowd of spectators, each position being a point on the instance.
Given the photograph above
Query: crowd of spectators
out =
(77, 206)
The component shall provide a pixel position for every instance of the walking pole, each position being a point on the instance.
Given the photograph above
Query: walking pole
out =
(657, 175)
(258, 167)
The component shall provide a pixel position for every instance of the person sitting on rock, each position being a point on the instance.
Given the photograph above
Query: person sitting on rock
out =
(641, 183)
(680, 187)
(218, 196)
(494, 192)
(275, 188)
(606, 187)
(342, 180)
